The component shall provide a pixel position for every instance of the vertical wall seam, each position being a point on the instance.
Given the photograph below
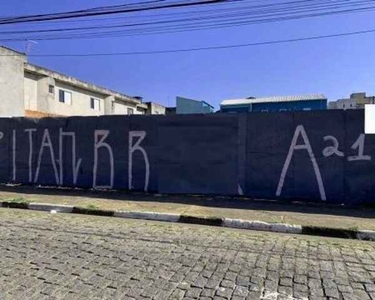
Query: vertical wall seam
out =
(242, 118)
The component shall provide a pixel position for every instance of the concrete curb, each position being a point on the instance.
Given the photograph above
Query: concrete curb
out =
(262, 226)
(48, 207)
(147, 216)
(367, 235)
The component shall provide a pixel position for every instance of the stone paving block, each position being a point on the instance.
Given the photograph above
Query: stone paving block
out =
(286, 281)
(200, 282)
(240, 291)
(360, 294)
(227, 284)
(212, 283)
(208, 293)
(236, 298)
(254, 295)
(79, 257)
(177, 294)
(193, 292)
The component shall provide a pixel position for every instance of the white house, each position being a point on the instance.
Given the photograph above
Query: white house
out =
(33, 91)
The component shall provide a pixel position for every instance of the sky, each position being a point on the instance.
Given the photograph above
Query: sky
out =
(335, 67)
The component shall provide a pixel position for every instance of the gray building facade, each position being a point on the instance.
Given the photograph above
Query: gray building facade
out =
(355, 101)
(190, 106)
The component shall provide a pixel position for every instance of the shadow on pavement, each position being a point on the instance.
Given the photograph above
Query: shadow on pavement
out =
(234, 202)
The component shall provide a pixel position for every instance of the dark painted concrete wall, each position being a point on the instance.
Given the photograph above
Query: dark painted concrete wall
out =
(317, 155)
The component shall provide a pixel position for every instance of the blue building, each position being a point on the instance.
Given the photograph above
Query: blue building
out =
(275, 104)
(190, 106)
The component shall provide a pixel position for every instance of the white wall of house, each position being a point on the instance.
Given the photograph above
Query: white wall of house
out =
(31, 91)
(27, 87)
(122, 108)
(119, 108)
(38, 97)
(80, 104)
(11, 83)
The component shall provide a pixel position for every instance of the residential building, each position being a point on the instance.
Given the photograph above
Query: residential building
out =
(33, 91)
(275, 104)
(356, 101)
(190, 106)
(155, 109)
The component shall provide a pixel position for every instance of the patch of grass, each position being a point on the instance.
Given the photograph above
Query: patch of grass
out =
(92, 210)
(18, 202)
(354, 228)
(92, 206)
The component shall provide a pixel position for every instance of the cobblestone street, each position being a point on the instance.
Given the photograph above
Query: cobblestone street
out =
(56, 256)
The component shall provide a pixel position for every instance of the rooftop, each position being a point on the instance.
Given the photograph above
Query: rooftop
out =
(13, 52)
(31, 68)
(274, 99)
(79, 83)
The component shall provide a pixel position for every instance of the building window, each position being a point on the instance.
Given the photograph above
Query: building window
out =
(307, 108)
(65, 97)
(130, 111)
(51, 89)
(95, 104)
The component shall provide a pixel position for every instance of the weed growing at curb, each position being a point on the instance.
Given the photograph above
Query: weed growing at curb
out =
(18, 200)
(92, 210)
(92, 207)
(16, 203)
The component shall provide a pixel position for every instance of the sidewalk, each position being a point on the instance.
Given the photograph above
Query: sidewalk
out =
(316, 215)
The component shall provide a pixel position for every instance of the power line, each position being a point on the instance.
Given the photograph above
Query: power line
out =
(214, 19)
(99, 11)
(204, 48)
(91, 19)
(223, 13)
